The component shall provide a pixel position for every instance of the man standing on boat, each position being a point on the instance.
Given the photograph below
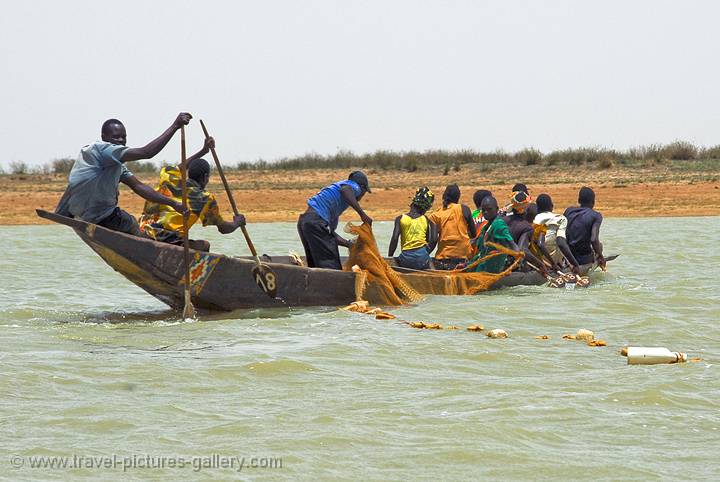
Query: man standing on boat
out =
(161, 223)
(583, 230)
(92, 192)
(317, 225)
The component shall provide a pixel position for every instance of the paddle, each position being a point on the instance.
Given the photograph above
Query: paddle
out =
(264, 276)
(543, 273)
(189, 309)
(607, 258)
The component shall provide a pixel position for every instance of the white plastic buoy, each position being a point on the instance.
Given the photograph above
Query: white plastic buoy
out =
(497, 333)
(655, 355)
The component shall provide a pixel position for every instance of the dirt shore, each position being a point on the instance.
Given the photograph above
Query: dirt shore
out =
(267, 196)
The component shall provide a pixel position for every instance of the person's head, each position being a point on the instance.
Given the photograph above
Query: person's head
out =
(519, 202)
(521, 188)
(361, 179)
(113, 131)
(479, 195)
(531, 212)
(199, 172)
(489, 208)
(586, 197)
(544, 203)
(423, 200)
(451, 194)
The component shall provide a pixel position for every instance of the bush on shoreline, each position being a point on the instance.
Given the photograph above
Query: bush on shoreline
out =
(411, 161)
(600, 157)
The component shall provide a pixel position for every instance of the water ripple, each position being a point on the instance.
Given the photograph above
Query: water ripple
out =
(92, 364)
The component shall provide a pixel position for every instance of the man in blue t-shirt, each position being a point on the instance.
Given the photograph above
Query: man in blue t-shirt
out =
(92, 192)
(317, 225)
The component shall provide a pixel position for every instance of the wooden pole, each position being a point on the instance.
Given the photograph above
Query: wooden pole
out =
(189, 309)
(264, 276)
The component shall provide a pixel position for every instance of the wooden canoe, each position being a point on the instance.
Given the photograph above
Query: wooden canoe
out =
(218, 282)
(226, 283)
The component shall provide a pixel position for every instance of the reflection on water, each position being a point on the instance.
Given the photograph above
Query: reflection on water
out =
(91, 364)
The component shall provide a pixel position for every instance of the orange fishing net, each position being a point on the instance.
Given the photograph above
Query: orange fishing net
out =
(538, 230)
(378, 283)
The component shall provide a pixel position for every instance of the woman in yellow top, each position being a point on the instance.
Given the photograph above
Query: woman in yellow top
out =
(417, 234)
(455, 227)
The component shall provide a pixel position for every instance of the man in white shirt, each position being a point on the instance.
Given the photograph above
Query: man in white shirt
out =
(554, 239)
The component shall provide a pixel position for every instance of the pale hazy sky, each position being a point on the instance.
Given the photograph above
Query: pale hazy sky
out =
(281, 78)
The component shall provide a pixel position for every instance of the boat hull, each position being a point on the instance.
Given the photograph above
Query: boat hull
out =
(218, 282)
(225, 283)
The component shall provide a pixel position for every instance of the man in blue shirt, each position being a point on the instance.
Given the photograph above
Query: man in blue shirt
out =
(583, 230)
(92, 192)
(317, 225)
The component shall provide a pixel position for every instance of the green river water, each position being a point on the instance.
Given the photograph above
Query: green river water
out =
(93, 367)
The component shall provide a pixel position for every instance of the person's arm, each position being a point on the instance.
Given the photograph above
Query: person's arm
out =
(209, 144)
(395, 236)
(150, 194)
(467, 214)
(510, 244)
(432, 236)
(523, 245)
(565, 250)
(349, 196)
(227, 227)
(345, 243)
(545, 253)
(151, 149)
(595, 241)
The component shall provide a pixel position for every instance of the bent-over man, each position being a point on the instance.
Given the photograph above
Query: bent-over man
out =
(317, 225)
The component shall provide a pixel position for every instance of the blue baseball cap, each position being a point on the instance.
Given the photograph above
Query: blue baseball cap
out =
(361, 179)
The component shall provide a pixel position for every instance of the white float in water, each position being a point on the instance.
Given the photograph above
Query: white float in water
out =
(656, 355)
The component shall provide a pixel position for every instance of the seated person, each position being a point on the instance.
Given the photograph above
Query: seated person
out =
(92, 191)
(496, 231)
(520, 228)
(537, 246)
(317, 225)
(477, 216)
(165, 225)
(554, 238)
(417, 234)
(583, 230)
(519, 187)
(455, 230)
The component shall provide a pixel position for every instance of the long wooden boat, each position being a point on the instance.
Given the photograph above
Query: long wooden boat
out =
(222, 282)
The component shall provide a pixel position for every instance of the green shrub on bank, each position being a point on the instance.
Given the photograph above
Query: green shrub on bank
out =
(19, 167)
(679, 151)
(145, 167)
(445, 160)
(63, 165)
(528, 156)
(709, 152)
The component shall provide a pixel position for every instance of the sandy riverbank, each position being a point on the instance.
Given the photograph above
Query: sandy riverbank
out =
(266, 196)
